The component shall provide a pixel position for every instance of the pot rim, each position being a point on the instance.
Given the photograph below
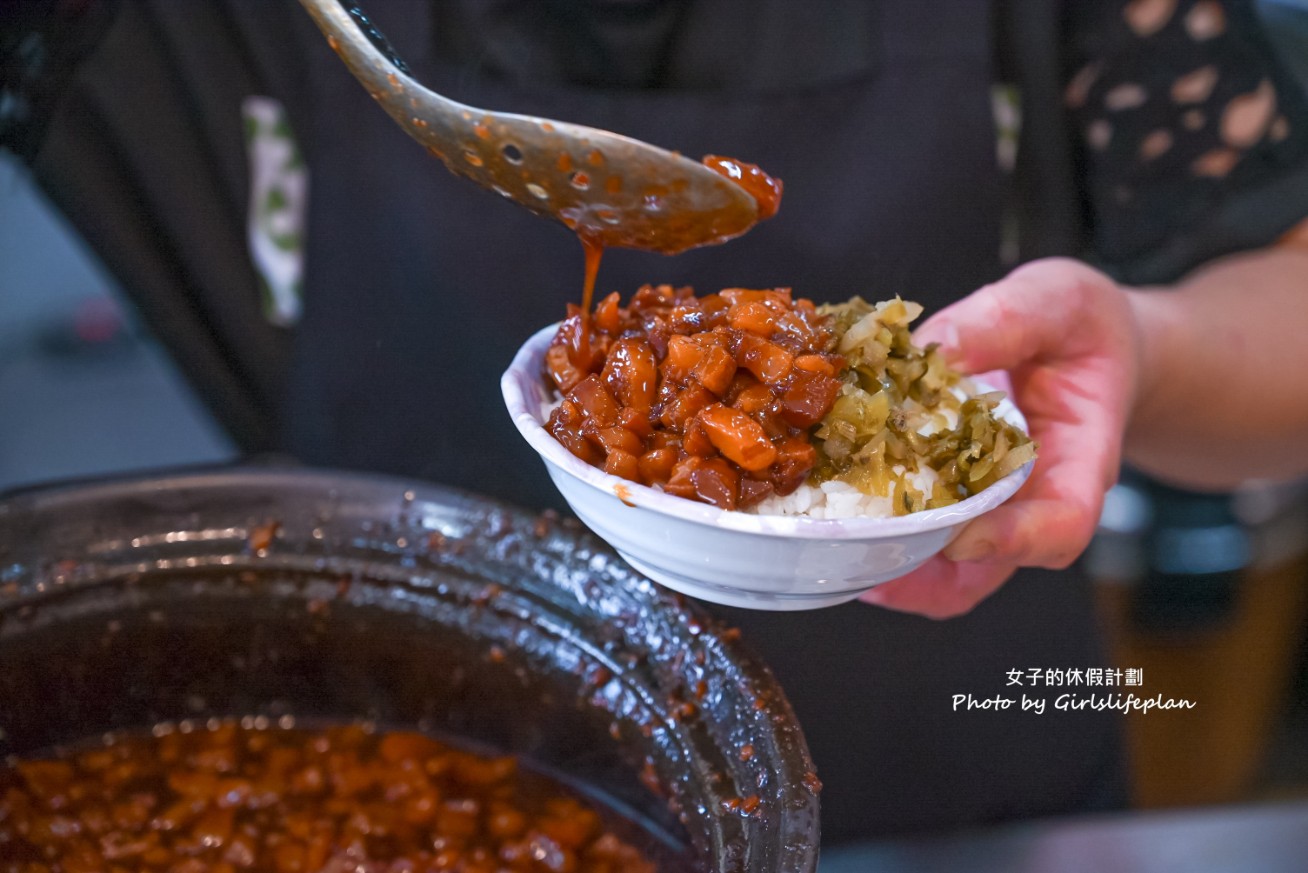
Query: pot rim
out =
(25, 578)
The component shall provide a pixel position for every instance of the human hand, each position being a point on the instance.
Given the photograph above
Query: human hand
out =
(1069, 339)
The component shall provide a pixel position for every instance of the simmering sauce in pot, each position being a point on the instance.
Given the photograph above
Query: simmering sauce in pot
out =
(224, 798)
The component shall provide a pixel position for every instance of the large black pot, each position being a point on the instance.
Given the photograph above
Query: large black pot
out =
(128, 603)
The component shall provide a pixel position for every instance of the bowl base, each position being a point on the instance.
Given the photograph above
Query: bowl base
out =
(732, 596)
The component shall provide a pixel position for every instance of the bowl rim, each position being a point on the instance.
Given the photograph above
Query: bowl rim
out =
(524, 372)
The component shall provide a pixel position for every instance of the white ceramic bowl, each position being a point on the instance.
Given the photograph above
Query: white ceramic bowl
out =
(736, 558)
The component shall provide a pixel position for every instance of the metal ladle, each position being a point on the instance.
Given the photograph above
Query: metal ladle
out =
(611, 189)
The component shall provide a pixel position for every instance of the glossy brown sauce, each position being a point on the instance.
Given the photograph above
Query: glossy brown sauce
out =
(710, 398)
(719, 418)
(594, 253)
(224, 798)
(766, 191)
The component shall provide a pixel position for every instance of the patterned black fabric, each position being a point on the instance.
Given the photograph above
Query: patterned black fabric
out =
(1181, 110)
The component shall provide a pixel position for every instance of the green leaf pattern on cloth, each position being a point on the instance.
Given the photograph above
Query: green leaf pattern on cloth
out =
(279, 189)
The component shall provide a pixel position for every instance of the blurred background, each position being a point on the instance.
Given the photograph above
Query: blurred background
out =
(1205, 593)
(84, 391)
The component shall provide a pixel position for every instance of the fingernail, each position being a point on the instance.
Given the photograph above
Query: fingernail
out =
(944, 333)
(970, 550)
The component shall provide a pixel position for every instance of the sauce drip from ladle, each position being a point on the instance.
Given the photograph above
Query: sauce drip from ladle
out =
(766, 191)
(594, 250)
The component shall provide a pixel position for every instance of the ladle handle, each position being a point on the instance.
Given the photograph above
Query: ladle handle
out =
(365, 50)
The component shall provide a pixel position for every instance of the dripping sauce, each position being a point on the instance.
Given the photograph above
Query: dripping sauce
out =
(765, 189)
(594, 250)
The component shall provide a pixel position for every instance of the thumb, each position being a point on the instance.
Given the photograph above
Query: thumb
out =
(1028, 314)
(981, 332)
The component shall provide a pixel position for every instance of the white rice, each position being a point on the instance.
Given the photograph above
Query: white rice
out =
(837, 499)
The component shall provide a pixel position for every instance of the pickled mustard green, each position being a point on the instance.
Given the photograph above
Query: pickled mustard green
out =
(902, 408)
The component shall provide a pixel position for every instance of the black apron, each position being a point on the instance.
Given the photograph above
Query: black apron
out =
(420, 287)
